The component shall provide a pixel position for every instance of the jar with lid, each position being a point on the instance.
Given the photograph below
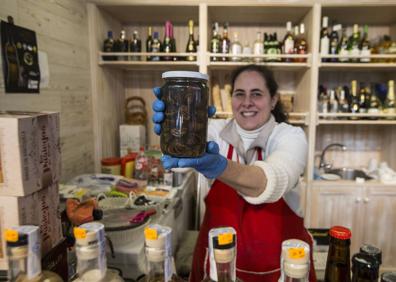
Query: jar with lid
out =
(111, 166)
(184, 128)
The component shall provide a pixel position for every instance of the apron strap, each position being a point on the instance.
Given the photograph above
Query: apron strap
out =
(231, 151)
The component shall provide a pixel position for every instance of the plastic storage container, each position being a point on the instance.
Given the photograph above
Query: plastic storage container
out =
(184, 128)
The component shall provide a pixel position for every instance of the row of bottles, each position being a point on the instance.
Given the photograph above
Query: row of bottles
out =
(365, 264)
(294, 42)
(337, 42)
(153, 44)
(352, 100)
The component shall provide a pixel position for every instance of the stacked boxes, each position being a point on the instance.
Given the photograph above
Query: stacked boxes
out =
(30, 167)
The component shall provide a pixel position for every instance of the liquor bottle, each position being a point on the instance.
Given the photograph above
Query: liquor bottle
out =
(333, 103)
(258, 47)
(390, 101)
(288, 42)
(225, 42)
(215, 42)
(91, 254)
(167, 45)
(24, 256)
(388, 277)
(172, 40)
(191, 43)
(108, 46)
(159, 258)
(122, 45)
(136, 45)
(338, 266)
(354, 98)
(374, 104)
(142, 166)
(156, 47)
(343, 102)
(247, 50)
(295, 262)
(12, 61)
(324, 39)
(363, 104)
(149, 43)
(323, 105)
(267, 45)
(365, 268)
(222, 252)
(353, 44)
(334, 41)
(342, 48)
(384, 46)
(365, 47)
(271, 49)
(236, 48)
(296, 34)
(301, 44)
(278, 47)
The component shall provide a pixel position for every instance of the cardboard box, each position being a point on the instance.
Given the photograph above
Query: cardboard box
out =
(39, 208)
(29, 152)
(132, 137)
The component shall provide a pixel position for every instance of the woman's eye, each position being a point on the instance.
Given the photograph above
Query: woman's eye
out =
(238, 94)
(257, 94)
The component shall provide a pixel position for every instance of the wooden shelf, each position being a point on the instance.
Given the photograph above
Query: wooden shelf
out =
(294, 118)
(357, 66)
(147, 65)
(361, 118)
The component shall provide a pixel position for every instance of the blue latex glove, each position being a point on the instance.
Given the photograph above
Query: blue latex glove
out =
(159, 108)
(211, 164)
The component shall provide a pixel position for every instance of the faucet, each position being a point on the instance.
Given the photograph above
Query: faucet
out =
(322, 163)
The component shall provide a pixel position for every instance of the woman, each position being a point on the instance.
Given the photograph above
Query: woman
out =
(256, 160)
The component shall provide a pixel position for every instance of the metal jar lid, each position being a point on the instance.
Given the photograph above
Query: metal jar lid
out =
(185, 74)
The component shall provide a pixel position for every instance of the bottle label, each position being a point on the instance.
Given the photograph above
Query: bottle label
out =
(80, 233)
(289, 46)
(365, 52)
(343, 52)
(296, 253)
(150, 233)
(324, 45)
(225, 238)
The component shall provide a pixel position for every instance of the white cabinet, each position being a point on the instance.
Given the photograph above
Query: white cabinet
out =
(369, 211)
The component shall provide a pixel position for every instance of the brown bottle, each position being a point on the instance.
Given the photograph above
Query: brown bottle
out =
(365, 268)
(338, 266)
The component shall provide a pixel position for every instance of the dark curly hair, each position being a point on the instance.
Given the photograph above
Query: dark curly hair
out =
(278, 112)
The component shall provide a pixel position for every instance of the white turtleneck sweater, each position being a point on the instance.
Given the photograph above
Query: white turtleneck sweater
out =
(248, 136)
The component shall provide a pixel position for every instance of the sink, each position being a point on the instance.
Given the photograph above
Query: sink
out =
(349, 173)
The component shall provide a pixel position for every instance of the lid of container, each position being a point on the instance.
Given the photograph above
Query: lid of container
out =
(388, 277)
(340, 232)
(372, 251)
(15, 238)
(365, 261)
(111, 161)
(224, 241)
(185, 74)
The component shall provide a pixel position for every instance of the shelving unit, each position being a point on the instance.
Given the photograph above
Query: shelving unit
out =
(113, 82)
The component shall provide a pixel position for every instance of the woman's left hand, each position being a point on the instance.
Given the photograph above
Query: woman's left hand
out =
(211, 164)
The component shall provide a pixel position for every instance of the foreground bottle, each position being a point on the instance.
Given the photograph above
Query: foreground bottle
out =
(91, 254)
(158, 248)
(365, 268)
(338, 266)
(222, 255)
(295, 261)
(24, 256)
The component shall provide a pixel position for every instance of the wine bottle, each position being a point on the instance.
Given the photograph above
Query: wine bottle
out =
(390, 101)
(191, 44)
(288, 42)
(172, 40)
(236, 48)
(215, 42)
(225, 42)
(324, 39)
(343, 102)
(167, 45)
(354, 99)
(156, 46)
(334, 41)
(122, 45)
(353, 44)
(258, 47)
(108, 46)
(301, 44)
(362, 99)
(149, 43)
(342, 48)
(136, 45)
(365, 47)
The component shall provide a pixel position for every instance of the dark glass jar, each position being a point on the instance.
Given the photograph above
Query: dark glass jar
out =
(338, 265)
(184, 128)
(365, 268)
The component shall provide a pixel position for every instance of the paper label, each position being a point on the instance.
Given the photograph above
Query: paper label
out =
(296, 253)
(225, 238)
(11, 235)
(80, 233)
(150, 233)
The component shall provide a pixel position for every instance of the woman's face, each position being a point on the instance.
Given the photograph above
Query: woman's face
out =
(251, 100)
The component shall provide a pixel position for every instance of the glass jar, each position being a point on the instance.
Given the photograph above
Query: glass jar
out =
(184, 128)
(111, 166)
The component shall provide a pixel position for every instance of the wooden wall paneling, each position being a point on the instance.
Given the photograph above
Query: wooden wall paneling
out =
(107, 88)
(204, 29)
(388, 146)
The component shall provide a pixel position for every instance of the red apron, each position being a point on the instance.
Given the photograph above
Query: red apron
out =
(260, 229)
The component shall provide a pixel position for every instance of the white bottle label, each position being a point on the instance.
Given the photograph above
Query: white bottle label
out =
(343, 52)
(258, 48)
(289, 46)
(324, 45)
(366, 53)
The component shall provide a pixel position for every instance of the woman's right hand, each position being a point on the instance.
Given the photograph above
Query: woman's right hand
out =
(158, 107)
